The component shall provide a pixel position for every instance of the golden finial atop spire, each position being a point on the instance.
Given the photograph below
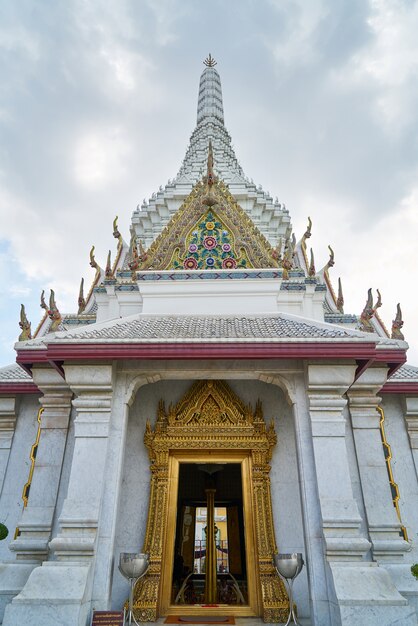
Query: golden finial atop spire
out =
(209, 61)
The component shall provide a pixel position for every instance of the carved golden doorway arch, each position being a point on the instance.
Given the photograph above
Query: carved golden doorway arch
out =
(211, 424)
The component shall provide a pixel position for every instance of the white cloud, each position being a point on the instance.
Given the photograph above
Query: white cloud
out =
(100, 157)
(390, 62)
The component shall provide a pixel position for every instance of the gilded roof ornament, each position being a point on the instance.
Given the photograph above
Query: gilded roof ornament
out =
(116, 232)
(93, 262)
(52, 311)
(330, 262)
(340, 297)
(210, 61)
(397, 324)
(25, 325)
(312, 270)
(108, 270)
(210, 178)
(81, 299)
(308, 232)
(369, 311)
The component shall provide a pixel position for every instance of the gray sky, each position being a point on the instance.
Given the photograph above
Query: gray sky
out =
(98, 100)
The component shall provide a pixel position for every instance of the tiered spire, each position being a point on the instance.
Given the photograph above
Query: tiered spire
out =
(210, 93)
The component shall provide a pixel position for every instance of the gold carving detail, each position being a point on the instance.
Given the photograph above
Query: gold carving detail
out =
(211, 417)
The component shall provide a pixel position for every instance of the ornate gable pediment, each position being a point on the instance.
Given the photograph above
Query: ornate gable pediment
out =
(209, 231)
(210, 415)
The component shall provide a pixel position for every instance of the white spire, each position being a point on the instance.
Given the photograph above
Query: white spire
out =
(210, 94)
(272, 218)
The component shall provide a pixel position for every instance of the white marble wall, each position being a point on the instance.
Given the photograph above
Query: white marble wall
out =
(17, 472)
(404, 475)
(284, 474)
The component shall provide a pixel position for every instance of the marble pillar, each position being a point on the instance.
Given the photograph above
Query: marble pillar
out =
(60, 590)
(364, 592)
(411, 419)
(383, 523)
(340, 515)
(36, 522)
(7, 429)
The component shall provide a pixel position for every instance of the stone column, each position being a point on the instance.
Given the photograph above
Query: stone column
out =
(60, 590)
(78, 520)
(411, 419)
(365, 593)
(383, 523)
(7, 429)
(340, 516)
(36, 522)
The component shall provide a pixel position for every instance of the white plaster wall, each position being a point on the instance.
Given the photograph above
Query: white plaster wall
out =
(136, 476)
(17, 473)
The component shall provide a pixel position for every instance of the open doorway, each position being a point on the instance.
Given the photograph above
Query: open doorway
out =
(196, 549)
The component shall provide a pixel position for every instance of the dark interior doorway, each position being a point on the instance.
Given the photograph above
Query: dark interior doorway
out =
(191, 551)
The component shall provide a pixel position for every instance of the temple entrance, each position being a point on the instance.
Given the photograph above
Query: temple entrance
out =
(210, 533)
(209, 548)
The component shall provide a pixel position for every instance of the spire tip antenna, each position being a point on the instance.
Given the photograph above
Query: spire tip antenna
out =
(210, 61)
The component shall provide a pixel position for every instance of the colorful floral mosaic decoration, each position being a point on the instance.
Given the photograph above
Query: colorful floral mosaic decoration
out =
(210, 245)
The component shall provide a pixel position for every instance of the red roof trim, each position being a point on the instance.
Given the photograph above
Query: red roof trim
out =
(401, 387)
(13, 388)
(233, 350)
(209, 351)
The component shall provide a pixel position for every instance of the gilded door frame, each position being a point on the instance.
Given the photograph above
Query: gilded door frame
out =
(210, 422)
(211, 456)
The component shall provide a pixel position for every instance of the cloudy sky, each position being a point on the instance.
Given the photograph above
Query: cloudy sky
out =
(98, 100)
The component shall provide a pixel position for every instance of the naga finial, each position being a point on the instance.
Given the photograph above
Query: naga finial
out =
(312, 270)
(81, 299)
(142, 253)
(116, 232)
(330, 262)
(93, 262)
(287, 261)
(397, 324)
(134, 263)
(340, 297)
(43, 303)
(308, 232)
(24, 325)
(277, 251)
(52, 311)
(210, 61)
(368, 312)
(108, 270)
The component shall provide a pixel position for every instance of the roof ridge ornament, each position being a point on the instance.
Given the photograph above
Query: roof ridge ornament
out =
(210, 61)
(369, 311)
(397, 325)
(25, 325)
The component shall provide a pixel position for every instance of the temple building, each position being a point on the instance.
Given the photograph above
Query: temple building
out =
(210, 403)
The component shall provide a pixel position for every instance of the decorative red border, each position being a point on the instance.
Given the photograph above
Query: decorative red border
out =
(14, 387)
(206, 350)
(365, 354)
